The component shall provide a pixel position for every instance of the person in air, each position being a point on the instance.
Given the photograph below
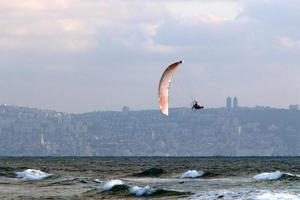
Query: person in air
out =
(196, 106)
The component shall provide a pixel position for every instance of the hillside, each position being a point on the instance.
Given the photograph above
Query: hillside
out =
(210, 132)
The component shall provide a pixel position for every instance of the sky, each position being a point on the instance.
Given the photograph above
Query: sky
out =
(87, 55)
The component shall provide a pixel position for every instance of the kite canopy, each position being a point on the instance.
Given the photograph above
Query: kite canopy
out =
(163, 88)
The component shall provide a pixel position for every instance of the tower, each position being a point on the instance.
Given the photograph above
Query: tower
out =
(228, 103)
(235, 103)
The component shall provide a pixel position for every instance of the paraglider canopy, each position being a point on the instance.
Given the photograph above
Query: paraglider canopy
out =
(164, 85)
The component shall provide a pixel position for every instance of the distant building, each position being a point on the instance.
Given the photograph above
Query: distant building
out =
(235, 103)
(228, 103)
(294, 107)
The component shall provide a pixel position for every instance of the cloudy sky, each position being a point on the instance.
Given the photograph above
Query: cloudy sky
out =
(86, 55)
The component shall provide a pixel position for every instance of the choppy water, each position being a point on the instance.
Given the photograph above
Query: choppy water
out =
(90, 178)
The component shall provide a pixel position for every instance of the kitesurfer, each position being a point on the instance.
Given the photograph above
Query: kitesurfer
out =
(196, 106)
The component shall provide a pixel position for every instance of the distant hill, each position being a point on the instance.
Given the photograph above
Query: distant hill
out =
(209, 132)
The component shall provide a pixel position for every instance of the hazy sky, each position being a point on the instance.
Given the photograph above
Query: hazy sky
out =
(85, 55)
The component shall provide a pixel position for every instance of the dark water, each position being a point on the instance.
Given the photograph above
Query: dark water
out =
(85, 177)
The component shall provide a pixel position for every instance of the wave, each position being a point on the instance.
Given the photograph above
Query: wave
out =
(96, 180)
(210, 174)
(275, 176)
(114, 185)
(117, 187)
(111, 188)
(7, 172)
(268, 176)
(32, 174)
(141, 191)
(148, 191)
(192, 174)
(290, 176)
(152, 172)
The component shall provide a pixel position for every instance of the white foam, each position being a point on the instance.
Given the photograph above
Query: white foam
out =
(108, 185)
(268, 176)
(32, 174)
(277, 196)
(192, 174)
(141, 191)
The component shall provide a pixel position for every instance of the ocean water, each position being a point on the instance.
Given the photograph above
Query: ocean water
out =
(251, 178)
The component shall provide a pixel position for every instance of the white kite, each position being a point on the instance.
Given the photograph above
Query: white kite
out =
(164, 85)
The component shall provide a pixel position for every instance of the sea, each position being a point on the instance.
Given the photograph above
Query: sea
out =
(207, 178)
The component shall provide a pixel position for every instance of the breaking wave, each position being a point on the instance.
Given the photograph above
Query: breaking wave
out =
(275, 176)
(112, 185)
(148, 191)
(268, 176)
(117, 187)
(192, 174)
(141, 191)
(32, 174)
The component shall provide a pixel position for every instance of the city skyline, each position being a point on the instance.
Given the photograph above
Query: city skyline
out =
(68, 56)
(229, 105)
